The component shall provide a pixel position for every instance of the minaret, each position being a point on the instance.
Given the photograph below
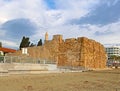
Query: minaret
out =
(46, 36)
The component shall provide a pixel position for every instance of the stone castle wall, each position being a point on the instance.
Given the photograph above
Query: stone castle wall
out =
(82, 52)
(71, 52)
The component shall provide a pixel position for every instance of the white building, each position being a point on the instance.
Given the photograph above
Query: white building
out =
(113, 50)
(1, 53)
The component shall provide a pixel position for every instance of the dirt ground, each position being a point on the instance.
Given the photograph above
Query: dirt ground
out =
(83, 81)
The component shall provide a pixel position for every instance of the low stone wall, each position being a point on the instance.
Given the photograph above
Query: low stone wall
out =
(25, 68)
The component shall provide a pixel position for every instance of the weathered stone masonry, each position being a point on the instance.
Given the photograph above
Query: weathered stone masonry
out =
(82, 52)
(71, 52)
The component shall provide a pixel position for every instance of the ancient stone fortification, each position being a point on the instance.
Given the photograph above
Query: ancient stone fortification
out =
(82, 52)
(70, 52)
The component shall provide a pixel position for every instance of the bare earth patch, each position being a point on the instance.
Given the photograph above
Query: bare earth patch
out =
(84, 81)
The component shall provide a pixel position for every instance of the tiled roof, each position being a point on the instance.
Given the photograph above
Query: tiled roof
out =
(7, 50)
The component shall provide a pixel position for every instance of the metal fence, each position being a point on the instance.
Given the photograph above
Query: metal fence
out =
(18, 59)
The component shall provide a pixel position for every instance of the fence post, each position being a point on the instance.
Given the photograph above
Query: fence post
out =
(11, 59)
(4, 59)
(44, 62)
(20, 59)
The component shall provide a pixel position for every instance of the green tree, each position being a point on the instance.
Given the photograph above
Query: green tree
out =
(1, 57)
(39, 42)
(27, 42)
(24, 43)
(31, 45)
(114, 57)
(0, 44)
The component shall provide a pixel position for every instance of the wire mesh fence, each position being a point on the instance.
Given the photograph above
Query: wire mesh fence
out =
(18, 59)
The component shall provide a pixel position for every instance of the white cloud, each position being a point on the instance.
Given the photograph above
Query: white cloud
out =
(104, 34)
(2, 20)
(107, 34)
(2, 33)
(8, 43)
(71, 9)
(54, 21)
(37, 11)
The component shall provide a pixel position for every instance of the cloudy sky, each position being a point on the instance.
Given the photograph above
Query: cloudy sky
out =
(95, 19)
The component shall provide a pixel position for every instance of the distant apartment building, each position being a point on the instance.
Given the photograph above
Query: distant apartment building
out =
(113, 50)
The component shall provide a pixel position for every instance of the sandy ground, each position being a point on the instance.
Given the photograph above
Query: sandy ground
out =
(83, 81)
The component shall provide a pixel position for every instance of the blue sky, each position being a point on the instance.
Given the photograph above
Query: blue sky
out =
(95, 19)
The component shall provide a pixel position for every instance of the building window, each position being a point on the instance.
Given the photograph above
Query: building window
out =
(24, 51)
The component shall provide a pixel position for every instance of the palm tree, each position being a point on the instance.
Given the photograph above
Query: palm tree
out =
(113, 57)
